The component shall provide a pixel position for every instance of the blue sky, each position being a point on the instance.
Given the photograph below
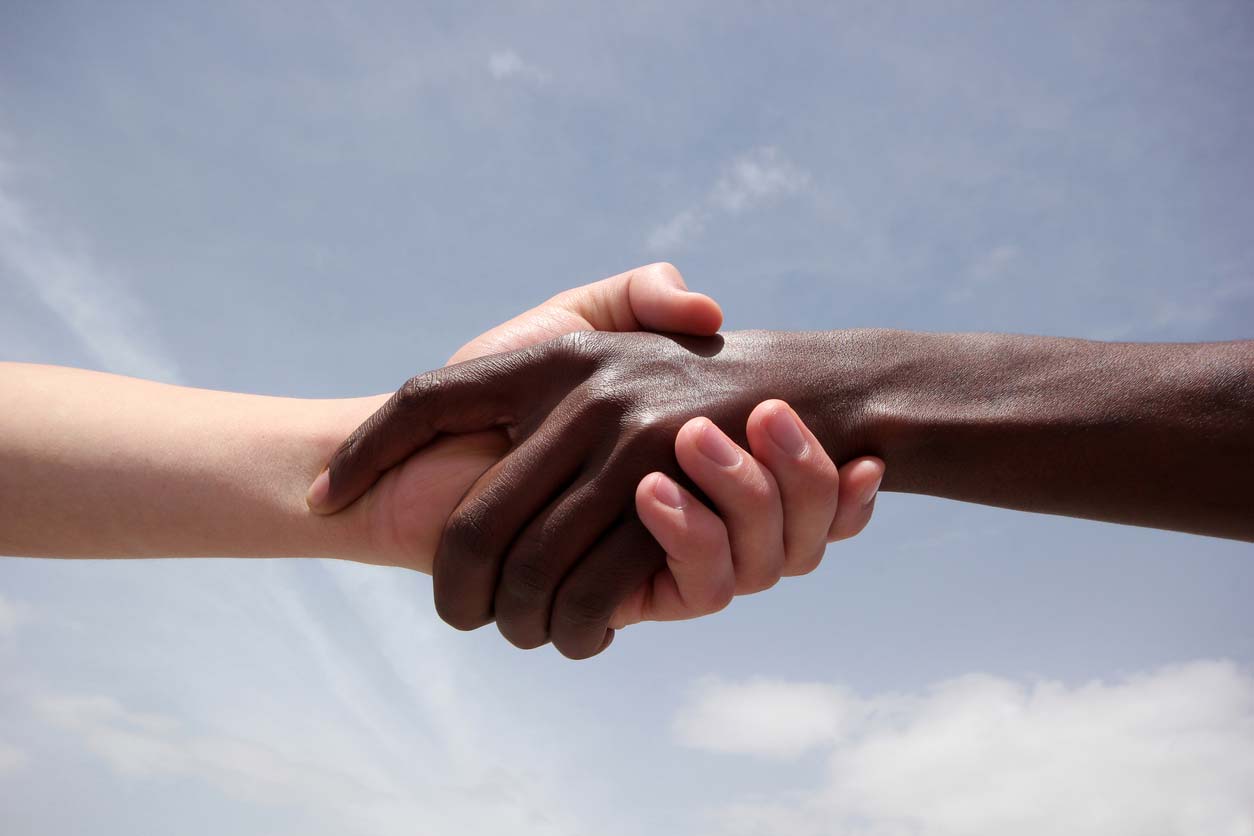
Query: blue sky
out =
(321, 200)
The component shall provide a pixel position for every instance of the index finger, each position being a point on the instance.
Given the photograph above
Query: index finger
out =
(475, 395)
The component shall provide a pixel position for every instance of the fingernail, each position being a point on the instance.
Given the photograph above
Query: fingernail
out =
(716, 447)
(317, 495)
(870, 497)
(667, 492)
(785, 431)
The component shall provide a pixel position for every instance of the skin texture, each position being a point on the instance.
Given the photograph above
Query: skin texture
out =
(708, 554)
(99, 465)
(547, 540)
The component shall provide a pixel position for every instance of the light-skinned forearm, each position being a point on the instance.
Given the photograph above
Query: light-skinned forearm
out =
(98, 465)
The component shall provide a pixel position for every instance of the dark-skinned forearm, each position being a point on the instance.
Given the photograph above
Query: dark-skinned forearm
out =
(1159, 435)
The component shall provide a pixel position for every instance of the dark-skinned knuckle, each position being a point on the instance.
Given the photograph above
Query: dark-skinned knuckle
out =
(459, 617)
(526, 583)
(575, 653)
(583, 609)
(601, 403)
(523, 640)
(466, 533)
(419, 390)
(575, 347)
(645, 431)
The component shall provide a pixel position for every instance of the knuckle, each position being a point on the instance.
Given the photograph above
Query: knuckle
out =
(709, 540)
(759, 491)
(583, 609)
(459, 617)
(822, 472)
(466, 534)
(759, 583)
(759, 574)
(526, 583)
(643, 431)
(521, 638)
(807, 563)
(814, 485)
(721, 596)
(574, 347)
(603, 403)
(419, 389)
(663, 269)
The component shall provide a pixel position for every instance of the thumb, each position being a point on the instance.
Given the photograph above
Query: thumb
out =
(652, 298)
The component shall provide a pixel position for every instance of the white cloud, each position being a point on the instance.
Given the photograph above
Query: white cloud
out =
(676, 232)
(757, 177)
(986, 270)
(508, 64)
(344, 785)
(142, 745)
(764, 716)
(98, 309)
(11, 758)
(754, 179)
(1170, 752)
(11, 615)
(387, 733)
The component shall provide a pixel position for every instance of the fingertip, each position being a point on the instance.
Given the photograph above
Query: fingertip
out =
(765, 409)
(861, 479)
(661, 301)
(686, 439)
(579, 654)
(860, 482)
(704, 315)
(318, 495)
(656, 493)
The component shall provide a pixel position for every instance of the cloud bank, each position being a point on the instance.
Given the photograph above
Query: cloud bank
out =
(1169, 752)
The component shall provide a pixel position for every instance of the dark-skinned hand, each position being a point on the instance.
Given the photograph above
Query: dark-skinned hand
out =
(547, 541)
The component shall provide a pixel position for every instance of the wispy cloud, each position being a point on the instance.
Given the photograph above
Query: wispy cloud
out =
(382, 735)
(506, 64)
(1171, 751)
(985, 271)
(12, 614)
(756, 178)
(144, 745)
(97, 308)
(11, 758)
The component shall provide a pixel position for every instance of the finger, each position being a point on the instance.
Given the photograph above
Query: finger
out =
(859, 483)
(497, 507)
(744, 494)
(809, 483)
(475, 395)
(653, 298)
(699, 577)
(623, 560)
(545, 551)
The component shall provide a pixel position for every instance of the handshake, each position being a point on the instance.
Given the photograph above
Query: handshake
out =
(609, 457)
(644, 476)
